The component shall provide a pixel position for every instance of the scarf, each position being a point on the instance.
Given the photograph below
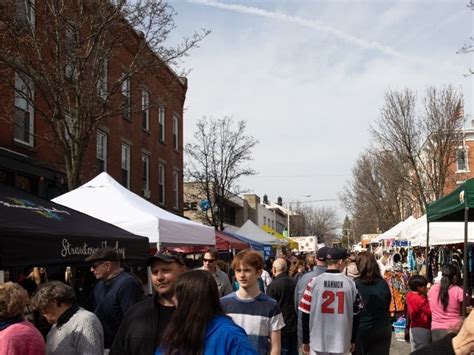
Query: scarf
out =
(10, 321)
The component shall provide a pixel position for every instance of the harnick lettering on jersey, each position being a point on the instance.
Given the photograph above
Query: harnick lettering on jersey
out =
(333, 284)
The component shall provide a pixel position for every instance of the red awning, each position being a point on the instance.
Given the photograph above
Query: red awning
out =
(226, 242)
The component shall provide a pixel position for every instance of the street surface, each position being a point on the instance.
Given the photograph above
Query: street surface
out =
(399, 347)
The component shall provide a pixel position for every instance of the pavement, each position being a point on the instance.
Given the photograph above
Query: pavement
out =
(399, 347)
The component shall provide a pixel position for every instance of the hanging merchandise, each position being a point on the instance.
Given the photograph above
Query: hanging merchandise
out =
(397, 282)
(411, 260)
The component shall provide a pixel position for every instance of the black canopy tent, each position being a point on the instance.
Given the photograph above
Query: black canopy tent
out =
(34, 231)
(456, 207)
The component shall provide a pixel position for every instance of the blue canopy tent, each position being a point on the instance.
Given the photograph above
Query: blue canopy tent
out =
(265, 248)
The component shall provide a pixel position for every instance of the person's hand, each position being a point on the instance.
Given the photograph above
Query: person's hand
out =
(353, 348)
(463, 343)
(306, 349)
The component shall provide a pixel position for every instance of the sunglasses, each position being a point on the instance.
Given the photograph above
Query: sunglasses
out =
(96, 265)
(209, 260)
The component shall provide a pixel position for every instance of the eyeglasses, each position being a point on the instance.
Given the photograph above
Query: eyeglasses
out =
(208, 260)
(96, 265)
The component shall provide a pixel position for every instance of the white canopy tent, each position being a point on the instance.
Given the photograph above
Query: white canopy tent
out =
(441, 233)
(105, 199)
(251, 231)
(393, 232)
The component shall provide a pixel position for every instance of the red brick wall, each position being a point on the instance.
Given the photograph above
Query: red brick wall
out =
(164, 85)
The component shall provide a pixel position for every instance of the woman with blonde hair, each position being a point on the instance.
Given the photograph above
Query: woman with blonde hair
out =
(17, 335)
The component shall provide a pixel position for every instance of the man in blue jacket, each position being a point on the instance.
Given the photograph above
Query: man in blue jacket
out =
(114, 293)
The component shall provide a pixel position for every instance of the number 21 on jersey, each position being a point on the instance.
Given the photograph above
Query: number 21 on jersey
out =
(330, 298)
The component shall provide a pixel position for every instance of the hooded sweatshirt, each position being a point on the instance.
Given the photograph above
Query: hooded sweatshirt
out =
(223, 336)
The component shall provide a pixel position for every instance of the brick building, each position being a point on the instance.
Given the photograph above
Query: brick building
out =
(141, 146)
(463, 168)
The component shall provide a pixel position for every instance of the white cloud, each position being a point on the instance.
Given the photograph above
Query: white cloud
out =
(309, 90)
(313, 24)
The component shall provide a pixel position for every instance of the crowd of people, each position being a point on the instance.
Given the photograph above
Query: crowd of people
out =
(327, 303)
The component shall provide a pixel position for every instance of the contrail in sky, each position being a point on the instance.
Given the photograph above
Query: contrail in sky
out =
(360, 42)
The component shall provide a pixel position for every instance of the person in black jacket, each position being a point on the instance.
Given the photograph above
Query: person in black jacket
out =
(144, 324)
(282, 289)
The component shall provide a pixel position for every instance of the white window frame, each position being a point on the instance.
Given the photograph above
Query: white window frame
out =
(466, 160)
(126, 154)
(176, 131)
(176, 188)
(145, 110)
(102, 85)
(23, 102)
(146, 174)
(101, 148)
(161, 183)
(126, 99)
(161, 123)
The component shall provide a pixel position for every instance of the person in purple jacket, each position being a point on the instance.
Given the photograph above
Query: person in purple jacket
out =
(199, 325)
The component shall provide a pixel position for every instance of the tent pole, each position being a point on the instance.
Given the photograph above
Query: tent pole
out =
(465, 269)
(427, 243)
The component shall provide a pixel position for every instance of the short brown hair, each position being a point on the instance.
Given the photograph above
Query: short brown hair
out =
(212, 252)
(54, 291)
(13, 300)
(248, 257)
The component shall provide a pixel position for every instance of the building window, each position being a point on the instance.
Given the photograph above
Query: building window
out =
(161, 183)
(24, 113)
(161, 123)
(461, 160)
(25, 13)
(145, 110)
(264, 220)
(69, 49)
(146, 175)
(126, 102)
(175, 132)
(101, 151)
(102, 80)
(126, 165)
(176, 188)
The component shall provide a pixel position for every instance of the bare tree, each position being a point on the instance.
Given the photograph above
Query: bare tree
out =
(216, 160)
(378, 196)
(319, 221)
(59, 49)
(468, 47)
(425, 143)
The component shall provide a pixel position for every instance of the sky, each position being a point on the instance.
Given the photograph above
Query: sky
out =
(309, 77)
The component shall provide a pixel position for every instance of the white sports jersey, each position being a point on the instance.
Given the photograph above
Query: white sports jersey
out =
(331, 300)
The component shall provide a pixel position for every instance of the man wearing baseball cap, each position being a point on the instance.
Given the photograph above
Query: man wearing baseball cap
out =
(330, 306)
(144, 324)
(303, 282)
(115, 291)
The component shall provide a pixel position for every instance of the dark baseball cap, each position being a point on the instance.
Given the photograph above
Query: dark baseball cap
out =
(167, 256)
(336, 253)
(322, 253)
(103, 254)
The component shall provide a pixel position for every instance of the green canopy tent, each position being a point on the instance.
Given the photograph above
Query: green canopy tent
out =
(456, 207)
